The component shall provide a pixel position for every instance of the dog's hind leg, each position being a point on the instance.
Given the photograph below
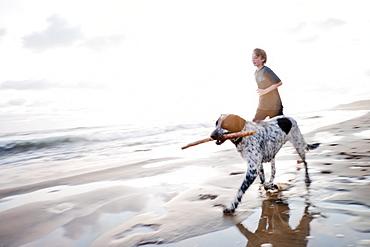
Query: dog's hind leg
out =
(307, 180)
(307, 177)
(302, 153)
(296, 138)
(303, 157)
(249, 179)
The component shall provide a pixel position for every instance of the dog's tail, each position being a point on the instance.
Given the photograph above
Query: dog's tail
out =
(312, 146)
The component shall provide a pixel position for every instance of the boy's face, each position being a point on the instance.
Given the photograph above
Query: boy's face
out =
(257, 60)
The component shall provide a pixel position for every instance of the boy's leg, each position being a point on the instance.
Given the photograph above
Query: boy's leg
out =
(280, 112)
(274, 113)
(260, 115)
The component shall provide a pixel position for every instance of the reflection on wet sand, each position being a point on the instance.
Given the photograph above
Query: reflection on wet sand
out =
(274, 228)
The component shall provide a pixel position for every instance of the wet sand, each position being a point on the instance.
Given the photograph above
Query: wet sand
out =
(177, 202)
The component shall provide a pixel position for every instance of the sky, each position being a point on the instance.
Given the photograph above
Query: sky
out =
(81, 63)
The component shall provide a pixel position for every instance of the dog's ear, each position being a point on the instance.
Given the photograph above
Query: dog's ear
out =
(233, 123)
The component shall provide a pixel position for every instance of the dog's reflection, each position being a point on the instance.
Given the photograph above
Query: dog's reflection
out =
(274, 227)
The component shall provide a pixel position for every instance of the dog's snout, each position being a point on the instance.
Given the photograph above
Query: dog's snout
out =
(215, 135)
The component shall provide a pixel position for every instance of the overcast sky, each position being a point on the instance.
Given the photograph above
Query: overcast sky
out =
(86, 63)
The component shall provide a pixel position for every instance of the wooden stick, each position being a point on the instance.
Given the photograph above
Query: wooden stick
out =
(238, 134)
(224, 137)
(197, 142)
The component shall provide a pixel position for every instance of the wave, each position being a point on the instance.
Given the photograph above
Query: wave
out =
(122, 136)
(14, 147)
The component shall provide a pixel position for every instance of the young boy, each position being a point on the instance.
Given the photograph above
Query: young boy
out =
(270, 104)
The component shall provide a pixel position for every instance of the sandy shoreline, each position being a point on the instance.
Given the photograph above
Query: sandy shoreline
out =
(179, 203)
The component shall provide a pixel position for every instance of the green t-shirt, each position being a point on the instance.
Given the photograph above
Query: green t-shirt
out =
(265, 77)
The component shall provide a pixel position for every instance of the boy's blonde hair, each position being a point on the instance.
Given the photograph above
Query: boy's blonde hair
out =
(260, 53)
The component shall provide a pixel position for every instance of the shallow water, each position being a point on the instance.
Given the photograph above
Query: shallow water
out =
(185, 186)
(295, 216)
(274, 226)
(298, 216)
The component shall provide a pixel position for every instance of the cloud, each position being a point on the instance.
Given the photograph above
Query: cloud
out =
(40, 104)
(16, 102)
(330, 23)
(44, 85)
(309, 39)
(2, 32)
(298, 28)
(57, 34)
(101, 42)
(27, 85)
(312, 31)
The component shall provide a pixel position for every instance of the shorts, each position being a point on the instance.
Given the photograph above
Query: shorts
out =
(262, 114)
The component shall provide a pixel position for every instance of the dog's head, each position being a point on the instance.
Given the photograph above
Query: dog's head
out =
(227, 123)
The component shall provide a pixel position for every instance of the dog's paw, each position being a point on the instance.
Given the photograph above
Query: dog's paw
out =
(270, 186)
(229, 211)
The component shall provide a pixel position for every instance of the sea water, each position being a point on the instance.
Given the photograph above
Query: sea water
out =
(75, 149)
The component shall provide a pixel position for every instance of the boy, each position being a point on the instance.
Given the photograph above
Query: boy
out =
(270, 104)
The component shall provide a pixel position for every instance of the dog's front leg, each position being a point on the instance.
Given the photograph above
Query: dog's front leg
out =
(270, 185)
(249, 179)
(262, 175)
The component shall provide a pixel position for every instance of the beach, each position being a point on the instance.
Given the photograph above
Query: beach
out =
(98, 98)
(165, 200)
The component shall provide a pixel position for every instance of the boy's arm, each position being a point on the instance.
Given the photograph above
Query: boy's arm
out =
(269, 89)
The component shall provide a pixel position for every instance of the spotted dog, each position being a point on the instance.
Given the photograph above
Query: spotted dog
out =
(261, 147)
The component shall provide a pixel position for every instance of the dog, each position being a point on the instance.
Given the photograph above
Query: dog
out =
(261, 147)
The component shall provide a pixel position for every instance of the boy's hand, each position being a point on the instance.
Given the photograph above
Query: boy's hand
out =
(269, 89)
(262, 91)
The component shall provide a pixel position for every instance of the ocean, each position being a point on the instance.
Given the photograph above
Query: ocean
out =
(41, 159)
(78, 148)
(73, 150)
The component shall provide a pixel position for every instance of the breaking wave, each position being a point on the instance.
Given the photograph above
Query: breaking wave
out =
(26, 146)
(104, 137)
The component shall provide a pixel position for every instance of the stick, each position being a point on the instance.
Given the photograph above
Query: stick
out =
(197, 142)
(224, 137)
